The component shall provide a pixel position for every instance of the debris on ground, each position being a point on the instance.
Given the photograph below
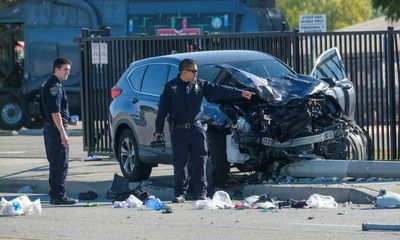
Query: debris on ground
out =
(320, 201)
(90, 195)
(130, 202)
(220, 200)
(26, 189)
(380, 227)
(386, 199)
(21, 205)
(292, 203)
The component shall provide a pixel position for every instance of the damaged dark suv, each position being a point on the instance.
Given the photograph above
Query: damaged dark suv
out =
(292, 117)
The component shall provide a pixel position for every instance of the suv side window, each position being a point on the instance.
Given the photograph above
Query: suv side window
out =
(136, 76)
(173, 72)
(154, 78)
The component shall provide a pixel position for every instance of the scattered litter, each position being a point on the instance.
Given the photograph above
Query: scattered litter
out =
(26, 189)
(342, 213)
(262, 201)
(131, 202)
(242, 205)
(21, 205)
(167, 210)
(222, 200)
(91, 158)
(90, 195)
(320, 201)
(90, 204)
(387, 199)
(207, 204)
(291, 203)
(154, 203)
(310, 218)
(252, 199)
(372, 179)
(382, 227)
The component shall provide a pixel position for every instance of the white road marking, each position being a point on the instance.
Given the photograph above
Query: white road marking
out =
(13, 152)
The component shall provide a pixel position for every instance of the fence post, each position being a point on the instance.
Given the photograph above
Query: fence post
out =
(296, 50)
(392, 97)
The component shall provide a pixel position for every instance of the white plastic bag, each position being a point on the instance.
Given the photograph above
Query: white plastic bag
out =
(387, 199)
(133, 202)
(320, 201)
(252, 199)
(222, 200)
(207, 204)
(21, 205)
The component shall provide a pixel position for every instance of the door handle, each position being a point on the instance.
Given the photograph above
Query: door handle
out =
(134, 100)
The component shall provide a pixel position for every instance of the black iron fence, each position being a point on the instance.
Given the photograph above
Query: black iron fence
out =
(371, 60)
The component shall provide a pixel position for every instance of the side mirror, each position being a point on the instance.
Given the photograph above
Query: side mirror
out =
(329, 81)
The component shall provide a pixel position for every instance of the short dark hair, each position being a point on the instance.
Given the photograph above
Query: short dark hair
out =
(186, 63)
(59, 62)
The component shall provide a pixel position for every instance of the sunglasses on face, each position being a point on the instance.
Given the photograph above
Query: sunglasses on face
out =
(190, 70)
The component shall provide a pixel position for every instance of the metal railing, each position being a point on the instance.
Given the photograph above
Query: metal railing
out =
(371, 61)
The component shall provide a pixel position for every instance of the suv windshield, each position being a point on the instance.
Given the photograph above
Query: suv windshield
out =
(262, 68)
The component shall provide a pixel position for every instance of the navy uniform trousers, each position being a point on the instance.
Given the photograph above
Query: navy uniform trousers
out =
(57, 155)
(189, 148)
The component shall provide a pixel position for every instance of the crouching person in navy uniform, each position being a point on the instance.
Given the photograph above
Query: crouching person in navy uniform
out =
(54, 105)
(181, 100)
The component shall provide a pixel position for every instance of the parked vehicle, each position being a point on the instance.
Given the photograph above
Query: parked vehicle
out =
(27, 50)
(291, 117)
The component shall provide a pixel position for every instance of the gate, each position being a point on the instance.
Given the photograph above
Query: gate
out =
(371, 61)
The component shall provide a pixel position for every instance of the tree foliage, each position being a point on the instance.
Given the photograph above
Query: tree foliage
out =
(391, 8)
(6, 3)
(339, 13)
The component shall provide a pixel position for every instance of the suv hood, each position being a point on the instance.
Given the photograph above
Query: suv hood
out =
(275, 91)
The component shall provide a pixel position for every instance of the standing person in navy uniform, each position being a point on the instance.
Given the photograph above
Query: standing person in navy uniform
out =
(56, 116)
(181, 100)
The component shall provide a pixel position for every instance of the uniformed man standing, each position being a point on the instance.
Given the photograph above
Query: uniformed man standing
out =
(181, 100)
(56, 116)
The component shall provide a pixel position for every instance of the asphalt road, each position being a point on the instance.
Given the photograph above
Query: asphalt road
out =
(105, 222)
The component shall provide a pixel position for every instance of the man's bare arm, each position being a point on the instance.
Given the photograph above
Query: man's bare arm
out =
(58, 121)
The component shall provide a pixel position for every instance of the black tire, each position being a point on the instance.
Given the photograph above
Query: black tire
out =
(359, 144)
(217, 148)
(127, 154)
(11, 113)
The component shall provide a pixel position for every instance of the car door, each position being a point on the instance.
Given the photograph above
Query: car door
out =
(152, 84)
(329, 65)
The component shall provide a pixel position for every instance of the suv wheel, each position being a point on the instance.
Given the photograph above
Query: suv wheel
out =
(128, 158)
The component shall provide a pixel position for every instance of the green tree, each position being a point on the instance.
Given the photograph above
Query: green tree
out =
(6, 3)
(391, 8)
(339, 13)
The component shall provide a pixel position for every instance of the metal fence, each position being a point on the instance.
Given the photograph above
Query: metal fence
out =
(371, 60)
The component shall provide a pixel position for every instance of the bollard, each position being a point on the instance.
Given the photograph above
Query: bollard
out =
(382, 227)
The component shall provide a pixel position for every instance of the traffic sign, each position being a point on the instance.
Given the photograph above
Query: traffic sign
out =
(312, 23)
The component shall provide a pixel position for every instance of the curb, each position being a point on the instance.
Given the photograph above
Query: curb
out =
(283, 192)
(8, 133)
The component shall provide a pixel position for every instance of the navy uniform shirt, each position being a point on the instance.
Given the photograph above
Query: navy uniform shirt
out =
(182, 101)
(54, 100)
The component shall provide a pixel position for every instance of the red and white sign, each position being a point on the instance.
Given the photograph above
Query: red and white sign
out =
(174, 32)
